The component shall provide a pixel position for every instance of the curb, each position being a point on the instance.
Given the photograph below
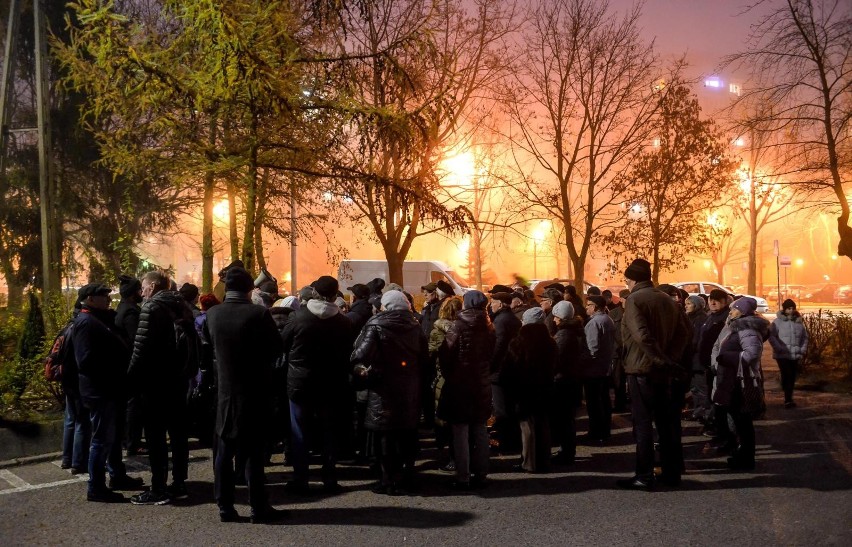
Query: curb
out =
(25, 460)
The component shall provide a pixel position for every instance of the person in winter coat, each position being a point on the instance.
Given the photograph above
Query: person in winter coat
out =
(717, 422)
(446, 315)
(159, 370)
(317, 345)
(528, 374)
(600, 337)
(655, 332)
(736, 361)
(246, 343)
(127, 320)
(202, 398)
(77, 428)
(465, 358)
(282, 312)
(619, 378)
(387, 357)
(567, 386)
(697, 314)
(789, 341)
(360, 312)
(100, 353)
(435, 294)
(506, 327)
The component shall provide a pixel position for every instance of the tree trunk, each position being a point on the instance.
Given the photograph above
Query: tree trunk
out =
(15, 299)
(752, 260)
(207, 222)
(250, 202)
(233, 231)
(477, 257)
(395, 262)
(258, 220)
(655, 266)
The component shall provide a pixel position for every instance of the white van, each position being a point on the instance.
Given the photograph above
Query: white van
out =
(415, 273)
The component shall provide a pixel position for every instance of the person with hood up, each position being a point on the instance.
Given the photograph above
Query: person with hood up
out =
(465, 358)
(528, 375)
(789, 341)
(736, 359)
(317, 346)
(387, 357)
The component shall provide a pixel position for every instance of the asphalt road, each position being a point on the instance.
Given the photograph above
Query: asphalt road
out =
(800, 494)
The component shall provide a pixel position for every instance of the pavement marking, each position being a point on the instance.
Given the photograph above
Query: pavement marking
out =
(28, 487)
(13, 479)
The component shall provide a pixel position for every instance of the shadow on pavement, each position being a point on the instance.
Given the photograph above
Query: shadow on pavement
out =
(391, 517)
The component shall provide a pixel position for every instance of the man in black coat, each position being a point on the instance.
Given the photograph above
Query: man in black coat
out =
(246, 342)
(317, 343)
(718, 304)
(361, 311)
(100, 355)
(506, 327)
(127, 320)
(159, 371)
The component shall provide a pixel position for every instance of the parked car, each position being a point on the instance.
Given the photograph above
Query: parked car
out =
(843, 294)
(799, 293)
(704, 288)
(821, 293)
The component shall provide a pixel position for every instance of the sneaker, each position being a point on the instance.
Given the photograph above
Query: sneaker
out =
(150, 497)
(177, 491)
(78, 471)
(636, 483)
(450, 467)
(789, 404)
(106, 496)
(125, 482)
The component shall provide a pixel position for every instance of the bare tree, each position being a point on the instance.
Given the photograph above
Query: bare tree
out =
(672, 184)
(424, 67)
(799, 57)
(581, 98)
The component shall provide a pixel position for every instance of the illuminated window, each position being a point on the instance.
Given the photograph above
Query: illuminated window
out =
(713, 82)
(735, 89)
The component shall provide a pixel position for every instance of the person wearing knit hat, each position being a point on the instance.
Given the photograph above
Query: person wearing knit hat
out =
(736, 359)
(563, 310)
(238, 280)
(376, 285)
(655, 334)
(395, 300)
(219, 288)
(387, 357)
(789, 340)
(533, 315)
(445, 290)
(326, 286)
(190, 294)
(474, 300)
(746, 305)
(600, 339)
(639, 270)
(466, 397)
(129, 286)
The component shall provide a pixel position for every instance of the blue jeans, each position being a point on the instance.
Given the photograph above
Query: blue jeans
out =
(77, 434)
(102, 416)
(301, 416)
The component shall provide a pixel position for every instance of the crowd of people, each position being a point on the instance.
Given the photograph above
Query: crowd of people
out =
(254, 375)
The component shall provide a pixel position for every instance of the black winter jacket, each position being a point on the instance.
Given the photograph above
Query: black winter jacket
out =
(529, 369)
(572, 350)
(393, 348)
(506, 327)
(100, 354)
(156, 366)
(710, 329)
(318, 343)
(360, 312)
(127, 318)
(465, 361)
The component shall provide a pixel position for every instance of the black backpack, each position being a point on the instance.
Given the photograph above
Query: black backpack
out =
(55, 360)
(187, 343)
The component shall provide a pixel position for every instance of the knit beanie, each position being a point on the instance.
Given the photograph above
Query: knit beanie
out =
(746, 305)
(638, 270)
(697, 301)
(563, 310)
(395, 300)
(533, 315)
(128, 286)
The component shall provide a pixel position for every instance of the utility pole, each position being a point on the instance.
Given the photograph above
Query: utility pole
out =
(50, 241)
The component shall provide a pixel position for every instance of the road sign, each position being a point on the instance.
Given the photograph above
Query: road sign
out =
(785, 262)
